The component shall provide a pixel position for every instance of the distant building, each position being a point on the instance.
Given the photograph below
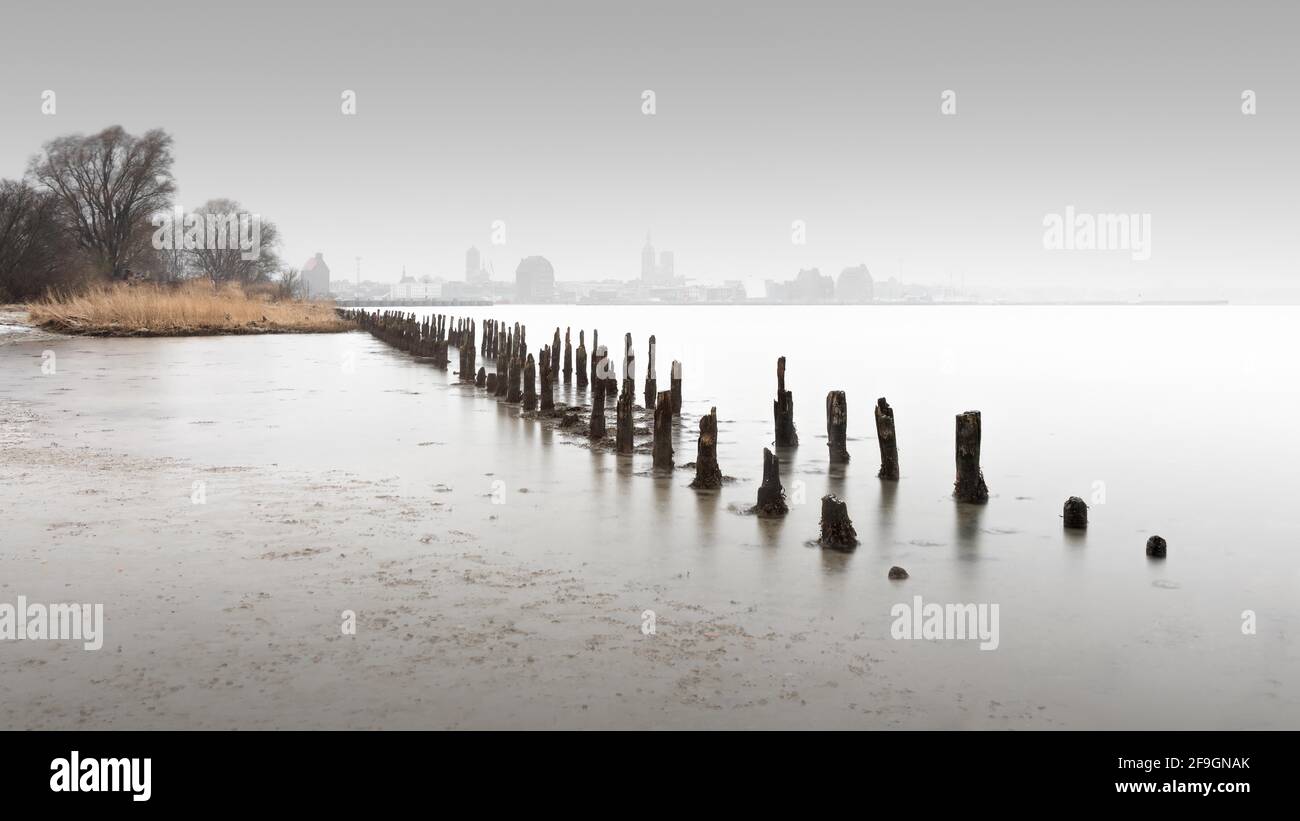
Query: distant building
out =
(316, 278)
(808, 286)
(474, 270)
(660, 272)
(534, 280)
(855, 286)
(409, 287)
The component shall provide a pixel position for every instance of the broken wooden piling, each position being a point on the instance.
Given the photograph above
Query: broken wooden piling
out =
(651, 385)
(675, 386)
(708, 476)
(837, 423)
(530, 384)
(568, 358)
(836, 529)
(1075, 513)
(555, 351)
(888, 441)
(582, 360)
(771, 496)
(969, 486)
(546, 401)
(480, 379)
(663, 431)
(623, 423)
(783, 410)
(514, 389)
(597, 427)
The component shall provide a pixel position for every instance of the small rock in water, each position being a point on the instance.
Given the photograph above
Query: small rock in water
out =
(897, 572)
(1156, 547)
(1076, 513)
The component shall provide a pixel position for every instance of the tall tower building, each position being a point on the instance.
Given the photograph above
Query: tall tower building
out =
(648, 261)
(473, 265)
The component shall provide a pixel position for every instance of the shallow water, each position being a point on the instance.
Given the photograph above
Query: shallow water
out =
(1170, 420)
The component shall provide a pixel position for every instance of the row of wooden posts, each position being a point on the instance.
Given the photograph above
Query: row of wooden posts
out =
(516, 376)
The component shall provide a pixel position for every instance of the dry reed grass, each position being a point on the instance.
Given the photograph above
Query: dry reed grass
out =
(193, 308)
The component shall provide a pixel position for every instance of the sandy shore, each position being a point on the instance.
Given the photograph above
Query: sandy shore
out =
(234, 620)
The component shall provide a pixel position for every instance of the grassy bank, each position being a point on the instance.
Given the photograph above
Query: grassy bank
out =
(191, 309)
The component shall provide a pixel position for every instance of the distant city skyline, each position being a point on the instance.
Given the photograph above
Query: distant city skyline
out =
(531, 125)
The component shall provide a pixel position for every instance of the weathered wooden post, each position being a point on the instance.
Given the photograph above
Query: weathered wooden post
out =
(771, 496)
(547, 399)
(480, 380)
(515, 393)
(595, 353)
(837, 530)
(888, 441)
(837, 423)
(623, 419)
(708, 476)
(491, 383)
(1157, 548)
(663, 444)
(651, 386)
(597, 429)
(555, 351)
(675, 384)
(783, 410)
(582, 360)
(530, 384)
(629, 370)
(1075, 513)
(969, 486)
(568, 358)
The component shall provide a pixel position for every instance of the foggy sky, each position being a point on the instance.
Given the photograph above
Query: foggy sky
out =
(829, 113)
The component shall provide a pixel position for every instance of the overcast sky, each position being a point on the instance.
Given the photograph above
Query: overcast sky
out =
(531, 113)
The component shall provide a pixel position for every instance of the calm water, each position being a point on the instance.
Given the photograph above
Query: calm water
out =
(1175, 420)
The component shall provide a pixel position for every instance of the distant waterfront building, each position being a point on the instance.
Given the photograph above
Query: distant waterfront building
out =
(808, 286)
(855, 285)
(316, 278)
(534, 280)
(474, 270)
(408, 287)
(661, 271)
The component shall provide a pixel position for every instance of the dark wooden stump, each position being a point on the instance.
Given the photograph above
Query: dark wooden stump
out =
(595, 354)
(897, 573)
(597, 427)
(708, 476)
(837, 424)
(555, 351)
(675, 386)
(1157, 547)
(515, 391)
(663, 444)
(771, 496)
(582, 360)
(783, 410)
(480, 379)
(651, 387)
(969, 486)
(623, 420)
(530, 384)
(547, 378)
(1076, 513)
(837, 530)
(568, 358)
(491, 383)
(888, 441)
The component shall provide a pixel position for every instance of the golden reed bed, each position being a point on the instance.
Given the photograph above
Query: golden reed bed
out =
(195, 308)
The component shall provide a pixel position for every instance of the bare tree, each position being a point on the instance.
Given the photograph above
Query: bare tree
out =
(35, 251)
(227, 261)
(109, 185)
